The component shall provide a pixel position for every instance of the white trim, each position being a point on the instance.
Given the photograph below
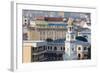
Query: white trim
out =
(13, 37)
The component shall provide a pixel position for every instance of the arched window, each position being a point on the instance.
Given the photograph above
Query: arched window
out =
(72, 49)
(72, 36)
(55, 48)
(85, 55)
(84, 48)
(61, 48)
(70, 29)
(79, 55)
(79, 48)
(50, 47)
(25, 36)
(25, 20)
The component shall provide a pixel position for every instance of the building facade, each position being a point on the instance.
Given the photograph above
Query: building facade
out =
(54, 39)
(33, 51)
(76, 48)
(50, 28)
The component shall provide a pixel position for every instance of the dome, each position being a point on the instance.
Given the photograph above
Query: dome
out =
(81, 38)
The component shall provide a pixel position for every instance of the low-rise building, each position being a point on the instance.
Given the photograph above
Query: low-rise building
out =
(33, 51)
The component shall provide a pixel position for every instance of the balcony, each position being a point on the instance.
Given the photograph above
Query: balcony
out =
(38, 52)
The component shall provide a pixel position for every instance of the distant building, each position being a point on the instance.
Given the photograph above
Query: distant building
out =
(51, 28)
(58, 41)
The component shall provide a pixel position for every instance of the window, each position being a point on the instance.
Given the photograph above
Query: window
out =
(45, 47)
(85, 55)
(72, 36)
(70, 29)
(51, 48)
(48, 32)
(25, 23)
(43, 32)
(63, 48)
(48, 47)
(84, 48)
(25, 36)
(40, 33)
(55, 48)
(32, 48)
(79, 55)
(72, 49)
(79, 48)
(25, 20)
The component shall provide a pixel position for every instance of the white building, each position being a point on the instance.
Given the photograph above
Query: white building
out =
(76, 48)
(70, 46)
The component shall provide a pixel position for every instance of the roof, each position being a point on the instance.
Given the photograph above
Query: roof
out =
(81, 38)
(29, 41)
(53, 19)
(86, 30)
(53, 24)
(34, 43)
(81, 29)
(57, 42)
(77, 42)
(57, 22)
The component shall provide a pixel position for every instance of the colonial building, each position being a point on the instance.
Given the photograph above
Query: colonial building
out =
(76, 45)
(52, 39)
(55, 50)
(49, 28)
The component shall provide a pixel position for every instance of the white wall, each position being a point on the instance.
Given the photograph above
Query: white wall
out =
(5, 35)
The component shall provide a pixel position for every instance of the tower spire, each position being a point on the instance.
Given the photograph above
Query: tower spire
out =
(70, 38)
(70, 21)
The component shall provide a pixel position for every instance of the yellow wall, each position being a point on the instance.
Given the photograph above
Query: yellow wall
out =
(33, 35)
(26, 54)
